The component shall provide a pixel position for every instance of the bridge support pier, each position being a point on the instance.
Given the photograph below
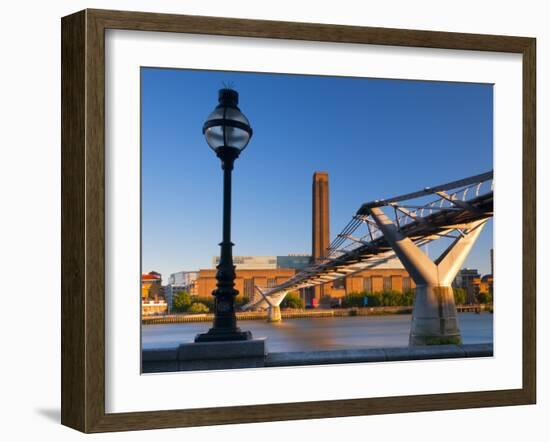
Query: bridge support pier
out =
(273, 305)
(274, 313)
(434, 319)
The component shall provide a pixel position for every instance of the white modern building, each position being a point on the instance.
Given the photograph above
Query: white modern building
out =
(293, 261)
(180, 281)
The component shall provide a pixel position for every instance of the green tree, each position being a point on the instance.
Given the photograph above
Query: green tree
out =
(392, 298)
(459, 295)
(484, 298)
(181, 301)
(374, 299)
(292, 300)
(208, 301)
(408, 297)
(386, 298)
(356, 299)
(198, 307)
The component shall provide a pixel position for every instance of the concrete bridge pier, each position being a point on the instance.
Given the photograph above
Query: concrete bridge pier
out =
(274, 303)
(434, 318)
(274, 313)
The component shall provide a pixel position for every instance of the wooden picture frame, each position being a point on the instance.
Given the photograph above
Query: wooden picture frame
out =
(83, 220)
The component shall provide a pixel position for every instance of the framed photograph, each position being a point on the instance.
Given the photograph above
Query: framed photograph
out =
(267, 220)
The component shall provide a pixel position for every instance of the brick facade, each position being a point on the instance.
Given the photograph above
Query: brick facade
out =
(245, 281)
(372, 280)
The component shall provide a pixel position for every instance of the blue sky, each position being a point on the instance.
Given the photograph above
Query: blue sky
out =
(376, 138)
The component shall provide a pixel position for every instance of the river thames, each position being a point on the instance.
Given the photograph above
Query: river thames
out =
(315, 334)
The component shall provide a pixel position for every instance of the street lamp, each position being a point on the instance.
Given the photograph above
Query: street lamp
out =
(227, 132)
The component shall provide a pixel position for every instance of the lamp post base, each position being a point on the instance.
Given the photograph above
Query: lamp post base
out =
(220, 335)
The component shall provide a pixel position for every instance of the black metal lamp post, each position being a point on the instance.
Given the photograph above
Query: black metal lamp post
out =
(227, 132)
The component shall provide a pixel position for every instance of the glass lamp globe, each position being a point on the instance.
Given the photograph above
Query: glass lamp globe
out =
(227, 126)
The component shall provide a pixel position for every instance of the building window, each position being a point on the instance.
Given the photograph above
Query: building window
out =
(271, 282)
(249, 288)
(406, 283)
(397, 283)
(339, 284)
(367, 284)
(387, 283)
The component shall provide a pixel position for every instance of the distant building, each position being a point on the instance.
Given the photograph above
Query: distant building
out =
(292, 261)
(470, 281)
(296, 261)
(262, 271)
(320, 230)
(490, 278)
(178, 282)
(185, 280)
(386, 276)
(152, 294)
(250, 262)
(151, 286)
(170, 291)
(486, 284)
(245, 281)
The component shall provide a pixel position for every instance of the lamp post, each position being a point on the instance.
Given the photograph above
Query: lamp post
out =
(227, 132)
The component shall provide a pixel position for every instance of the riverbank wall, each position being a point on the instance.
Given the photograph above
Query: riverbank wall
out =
(302, 313)
(177, 358)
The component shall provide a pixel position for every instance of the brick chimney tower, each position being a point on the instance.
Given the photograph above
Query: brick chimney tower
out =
(320, 224)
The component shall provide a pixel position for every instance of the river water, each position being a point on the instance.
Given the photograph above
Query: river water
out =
(311, 334)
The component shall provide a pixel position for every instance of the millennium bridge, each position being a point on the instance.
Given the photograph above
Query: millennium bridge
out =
(383, 229)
